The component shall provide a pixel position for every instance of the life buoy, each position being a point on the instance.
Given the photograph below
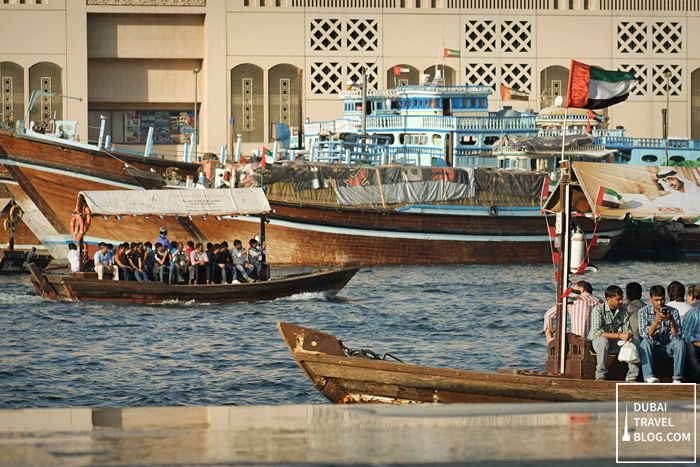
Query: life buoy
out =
(493, 211)
(88, 217)
(16, 214)
(77, 227)
(8, 226)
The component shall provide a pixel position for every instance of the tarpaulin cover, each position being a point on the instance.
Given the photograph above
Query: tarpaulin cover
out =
(642, 192)
(506, 183)
(177, 202)
(548, 144)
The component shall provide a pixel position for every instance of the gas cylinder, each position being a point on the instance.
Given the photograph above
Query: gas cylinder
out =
(578, 251)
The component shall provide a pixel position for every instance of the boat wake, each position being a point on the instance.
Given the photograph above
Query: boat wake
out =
(308, 297)
(12, 298)
(182, 303)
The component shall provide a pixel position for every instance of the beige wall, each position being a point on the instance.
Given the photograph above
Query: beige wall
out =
(125, 56)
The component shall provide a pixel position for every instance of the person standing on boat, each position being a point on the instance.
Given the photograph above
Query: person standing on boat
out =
(691, 333)
(610, 324)
(661, 332)
(163, 239)
(579, 311)
(633, 294)
(104, 261)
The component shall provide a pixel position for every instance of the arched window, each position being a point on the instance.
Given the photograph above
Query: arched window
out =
(247, 107)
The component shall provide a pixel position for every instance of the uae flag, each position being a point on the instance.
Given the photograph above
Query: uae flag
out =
(401, 70)
(593, 88)
(513, 94)
(607, 198)
(267, 158)
(451, 53)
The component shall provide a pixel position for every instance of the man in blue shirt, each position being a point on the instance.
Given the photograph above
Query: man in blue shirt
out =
(103, 261)
(691, 333)
(163, 239)
(660, 330)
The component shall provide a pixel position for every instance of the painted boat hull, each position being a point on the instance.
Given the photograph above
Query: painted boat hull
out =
(70, 288)
(344, 380)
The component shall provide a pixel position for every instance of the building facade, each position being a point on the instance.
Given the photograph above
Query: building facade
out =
(132, 61)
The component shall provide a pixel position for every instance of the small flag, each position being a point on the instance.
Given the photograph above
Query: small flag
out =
(648, 219)
(513, 94)
(146, 216)
(548, 187)
(451, 53)
(607, 198)
(218, 218)
(696, 221)
(176, 217)
(401, 70)
(118, 216)
(189, 217)
(267, 158)
(105, 217)
(161, 217)
(594, 88)
(204, 217)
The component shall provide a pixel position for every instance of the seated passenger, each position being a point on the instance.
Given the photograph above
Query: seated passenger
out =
(104, 262)
(122, 262)
(149, 261)
(162, 262)
(199, 261)
(240, 261)
(227, 261)
(178, 271)
(261, 269)
(73, 257)
(136, 262)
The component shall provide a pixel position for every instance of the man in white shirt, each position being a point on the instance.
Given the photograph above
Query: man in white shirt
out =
(73, 258)
(676, 293)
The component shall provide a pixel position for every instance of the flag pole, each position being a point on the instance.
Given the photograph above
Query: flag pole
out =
(498, 91)
(564, 251)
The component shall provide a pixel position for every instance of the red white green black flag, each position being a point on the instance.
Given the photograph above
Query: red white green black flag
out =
(594, 88)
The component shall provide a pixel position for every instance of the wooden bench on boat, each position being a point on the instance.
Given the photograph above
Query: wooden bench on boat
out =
(581, 362)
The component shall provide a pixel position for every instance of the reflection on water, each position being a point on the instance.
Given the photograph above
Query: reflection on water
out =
(119, 355)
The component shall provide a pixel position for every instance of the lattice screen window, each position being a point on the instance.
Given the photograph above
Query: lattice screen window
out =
(326, 77)
(556, 88)
(481, 36)
(45, 100)
(326, 35)
(402, 82)
(667, 37)
(7, 99)
(354, 73)
(481, 74)
(362, 35)
(516, 36)
(248, 104)
(658, 80)
(518, 75)
(641, 72)
(632, 37)
(285, 101)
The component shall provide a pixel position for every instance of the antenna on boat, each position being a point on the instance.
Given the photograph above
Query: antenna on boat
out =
(35, 94)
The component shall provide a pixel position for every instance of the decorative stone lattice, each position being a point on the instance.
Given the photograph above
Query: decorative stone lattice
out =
(658, 80)
(556, 88)
(641, 72)
(481, 36)
(354, 73)
(149, 2)
(326, 77)
(484, 74)
(7, 98)
(362, 35)
(45, 100)
(516, 36)
(402, 82)
(667, 37)
(285, 102)
(632, 37)
(326, 35)
(517, 75)
(247, 104)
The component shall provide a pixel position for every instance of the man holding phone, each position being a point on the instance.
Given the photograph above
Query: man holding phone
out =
(660, 330)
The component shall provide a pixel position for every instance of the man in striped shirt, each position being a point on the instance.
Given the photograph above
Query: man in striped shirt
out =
(579, 311)
(610, 323)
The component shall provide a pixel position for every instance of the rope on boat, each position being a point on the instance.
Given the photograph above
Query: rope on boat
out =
(365, 353)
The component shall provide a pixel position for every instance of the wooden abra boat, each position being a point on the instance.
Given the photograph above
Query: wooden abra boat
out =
(86, 287)
(344, 379)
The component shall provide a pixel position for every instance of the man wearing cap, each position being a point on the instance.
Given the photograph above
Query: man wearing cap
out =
(580, 305)
(163, 239)
(684, 194)
(610, 324)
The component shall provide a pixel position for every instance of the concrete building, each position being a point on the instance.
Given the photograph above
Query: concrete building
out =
(132, 61)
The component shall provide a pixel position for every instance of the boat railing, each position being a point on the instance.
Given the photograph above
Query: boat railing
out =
(386, 121)
(494, 123)
(343, 152)
(648, 142)
(561, 117)
(459, 90)
(616, 132)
